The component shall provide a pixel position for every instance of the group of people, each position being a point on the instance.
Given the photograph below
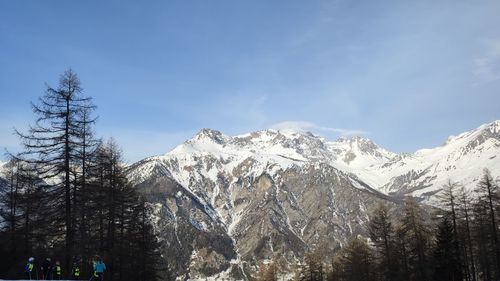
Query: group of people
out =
(50, 271)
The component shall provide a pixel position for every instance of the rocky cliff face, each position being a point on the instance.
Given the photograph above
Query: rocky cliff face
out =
(237, 200)
(223, 203)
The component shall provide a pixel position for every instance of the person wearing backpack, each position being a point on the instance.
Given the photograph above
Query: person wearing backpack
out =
(58, 271)
(28, 268)
(46, 269)
(99, 268)
(75, 271)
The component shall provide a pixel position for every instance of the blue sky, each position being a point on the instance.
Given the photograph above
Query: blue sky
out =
(406, 74)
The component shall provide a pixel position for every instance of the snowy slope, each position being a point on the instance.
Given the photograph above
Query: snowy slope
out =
(267, 149)
(211, 155)
(280, 190)
(3, 181)
(269, 191)
(461, 158)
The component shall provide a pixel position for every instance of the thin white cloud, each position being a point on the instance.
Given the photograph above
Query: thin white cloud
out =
(487, 66)
(305, 126)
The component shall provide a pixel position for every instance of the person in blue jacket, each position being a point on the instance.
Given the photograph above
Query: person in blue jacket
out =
(99, 268)
(28, 268)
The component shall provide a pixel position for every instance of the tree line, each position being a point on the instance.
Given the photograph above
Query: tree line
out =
(456, 242)
(66, 195)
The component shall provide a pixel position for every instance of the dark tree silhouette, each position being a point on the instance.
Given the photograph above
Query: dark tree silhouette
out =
(417, 237)
(52, 144)
(447, 266)
(355, 263)
(382, 235)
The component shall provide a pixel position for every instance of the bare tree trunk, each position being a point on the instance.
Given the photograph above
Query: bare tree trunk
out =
(468, 235)
(67, 187)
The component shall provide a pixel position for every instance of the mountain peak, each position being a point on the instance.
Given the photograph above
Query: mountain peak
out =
(493, 127)
(361, 142)
(478, 135)
(214, 135)
(351, 139)
(292, 132)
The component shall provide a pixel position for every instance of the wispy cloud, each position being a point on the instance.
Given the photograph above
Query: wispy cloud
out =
(487, 66)
(305, 126)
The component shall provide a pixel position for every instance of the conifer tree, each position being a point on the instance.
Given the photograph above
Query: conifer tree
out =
(449, 200)
(335, 273)
(312, 268)
(119, 221)
(356, 262)
(415, 230)
(482, 238)
(464, 209)
(68, 196)
(86, 149)
(488, 196)
(11, 215)
(382, 234)
(9, 209)
(447, 265)
(402, 250)
(52, 142)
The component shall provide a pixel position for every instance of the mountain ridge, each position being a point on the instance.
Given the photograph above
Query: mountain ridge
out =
(357, 155)
(281, 192)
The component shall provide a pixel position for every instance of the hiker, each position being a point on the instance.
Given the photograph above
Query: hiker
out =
(57, 271)
(75, 271)
(46, 269)
(99, 268)
(28, 269)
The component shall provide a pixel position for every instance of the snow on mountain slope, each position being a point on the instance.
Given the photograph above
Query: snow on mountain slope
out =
(358, 153)
(279, 189)
(269, 190)
(211, 154)
(462, 159)
(3, 181)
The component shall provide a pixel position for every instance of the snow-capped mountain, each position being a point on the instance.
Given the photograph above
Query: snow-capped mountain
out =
(3, 181)
(254, 195)
(225, 202)
(460, 159)
(2, 165)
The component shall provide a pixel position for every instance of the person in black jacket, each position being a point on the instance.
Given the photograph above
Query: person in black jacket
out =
(57, 271)
(75, 271)
(47, 269)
